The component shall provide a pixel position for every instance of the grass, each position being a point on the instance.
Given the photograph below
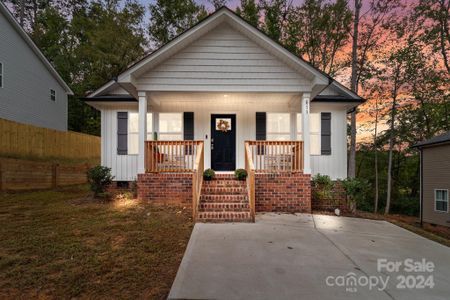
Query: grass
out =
(64, 244)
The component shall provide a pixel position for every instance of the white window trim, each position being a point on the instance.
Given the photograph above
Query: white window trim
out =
(54, 91)
(171, 132)
(128, 133)
(435, 200)
(280, 133)
(2, 75)
(318, 133)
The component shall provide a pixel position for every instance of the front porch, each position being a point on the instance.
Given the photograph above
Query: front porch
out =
(275, 182)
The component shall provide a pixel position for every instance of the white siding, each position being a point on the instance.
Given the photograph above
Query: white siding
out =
(223, 60)
(25, 96)
(124, 167)
(334, 165)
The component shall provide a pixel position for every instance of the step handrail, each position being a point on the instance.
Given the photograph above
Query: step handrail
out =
(250, 168)
(197, 180)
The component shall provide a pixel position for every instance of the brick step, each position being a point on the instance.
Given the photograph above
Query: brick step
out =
(218, 217)
(224, 207)
(214, 190)
(225, 183)
(223, 198)
(225, 176)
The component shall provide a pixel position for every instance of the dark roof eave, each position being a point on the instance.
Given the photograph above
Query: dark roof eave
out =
(434, 141)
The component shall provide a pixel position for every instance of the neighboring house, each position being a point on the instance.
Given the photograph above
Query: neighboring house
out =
(31, 91)
(222, 83)
(435, 179)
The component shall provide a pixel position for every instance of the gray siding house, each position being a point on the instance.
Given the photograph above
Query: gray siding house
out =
(31, 91)
(435, 179)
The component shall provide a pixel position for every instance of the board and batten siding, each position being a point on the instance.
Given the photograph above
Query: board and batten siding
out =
(25, 95)
(124, 167)
(223, 60)
(334, 165)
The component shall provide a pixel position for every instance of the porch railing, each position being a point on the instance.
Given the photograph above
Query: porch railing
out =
(276, 156)
(171, 156)
(250, 168)
(197, 179)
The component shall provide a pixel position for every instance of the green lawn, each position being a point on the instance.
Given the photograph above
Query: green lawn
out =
(63, 244)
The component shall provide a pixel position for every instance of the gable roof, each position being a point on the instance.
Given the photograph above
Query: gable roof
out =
(10, 18)
(434, 141)
(224, 14)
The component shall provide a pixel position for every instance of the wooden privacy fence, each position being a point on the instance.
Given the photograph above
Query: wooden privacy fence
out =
(21, 140)
(18, 174)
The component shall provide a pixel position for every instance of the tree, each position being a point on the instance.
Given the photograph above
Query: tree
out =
(249, 11)
(369, 29)
(169, 18)
(318, 31)
(218, 3)
(354, 88)
(435, 14)
(275, 12)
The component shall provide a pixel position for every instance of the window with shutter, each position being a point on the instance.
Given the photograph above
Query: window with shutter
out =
(325, 134)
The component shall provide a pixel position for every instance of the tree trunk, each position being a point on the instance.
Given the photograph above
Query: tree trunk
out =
(354, 88)
(391, 146)
(22, 12)
(376, 156)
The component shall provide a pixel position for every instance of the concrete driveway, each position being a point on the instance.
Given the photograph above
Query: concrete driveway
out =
(311, 257)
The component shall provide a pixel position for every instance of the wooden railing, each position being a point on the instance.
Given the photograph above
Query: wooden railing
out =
(276, 156)
(171, 156)
(197, 179)
(250, 168)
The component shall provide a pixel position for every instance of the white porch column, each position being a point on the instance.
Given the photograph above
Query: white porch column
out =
(305, 133)
(142, 131)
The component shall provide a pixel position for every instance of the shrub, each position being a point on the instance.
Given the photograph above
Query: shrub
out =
(209, 174)
(99, 178)
(356, 190)
(323, 187)
(240, 174)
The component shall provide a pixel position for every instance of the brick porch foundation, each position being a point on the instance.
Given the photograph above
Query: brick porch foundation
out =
(165, 188)
(283, 192)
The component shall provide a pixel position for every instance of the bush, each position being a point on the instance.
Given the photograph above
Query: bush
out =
(323, 187)
(209, 174)
(99, 178)
(356, 190)
(240, 174)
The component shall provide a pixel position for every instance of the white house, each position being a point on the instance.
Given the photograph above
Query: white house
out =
(222, 83)
(31, 91)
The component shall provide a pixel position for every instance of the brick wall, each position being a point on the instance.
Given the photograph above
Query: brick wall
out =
(283, 192)
(338, 200)
(165, 188)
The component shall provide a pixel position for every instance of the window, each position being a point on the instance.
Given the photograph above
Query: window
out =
(441, 200)
(52, 95)
(1, 75)
(314, 130)
(278, 126)
(133, 131)
(171, 126)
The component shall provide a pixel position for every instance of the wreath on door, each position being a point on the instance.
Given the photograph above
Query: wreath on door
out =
(223, 125)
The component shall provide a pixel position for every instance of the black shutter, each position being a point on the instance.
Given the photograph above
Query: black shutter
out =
(122, 133)
(325, 134)
(260, 130)
(188, 130)
(260, 126)
(188, 125)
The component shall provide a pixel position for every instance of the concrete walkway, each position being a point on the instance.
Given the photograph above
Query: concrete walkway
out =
(294, 256)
